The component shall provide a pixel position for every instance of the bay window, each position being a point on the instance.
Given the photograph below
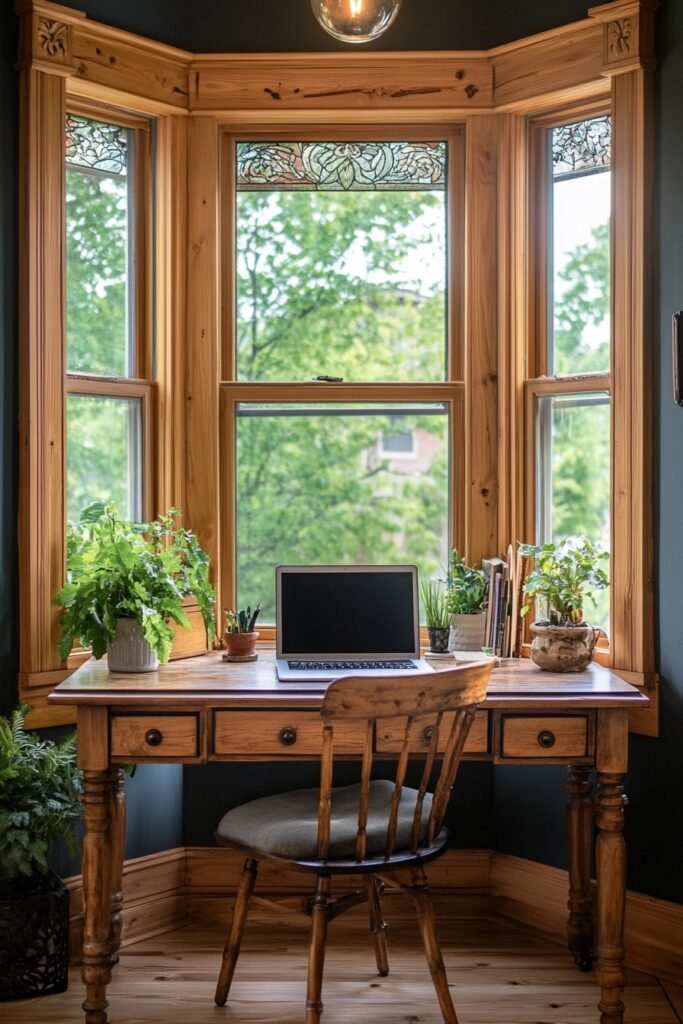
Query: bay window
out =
(354, 309)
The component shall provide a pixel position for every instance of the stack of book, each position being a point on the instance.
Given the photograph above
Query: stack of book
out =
(504, 624)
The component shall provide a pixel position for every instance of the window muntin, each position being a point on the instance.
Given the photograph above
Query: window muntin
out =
(100, 278)
(579, 156)
(573, 475)
(104, 453)
(314, 486)
(329, 226)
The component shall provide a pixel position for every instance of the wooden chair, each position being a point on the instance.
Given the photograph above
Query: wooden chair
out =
(372, 829)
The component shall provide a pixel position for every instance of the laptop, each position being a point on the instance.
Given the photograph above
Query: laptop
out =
(342, 620)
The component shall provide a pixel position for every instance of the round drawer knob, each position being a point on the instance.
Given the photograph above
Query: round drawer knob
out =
(546, 739)
(153, 737)
(287, 737)
(427, 734)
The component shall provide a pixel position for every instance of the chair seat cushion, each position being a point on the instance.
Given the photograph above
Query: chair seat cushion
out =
(286, 825)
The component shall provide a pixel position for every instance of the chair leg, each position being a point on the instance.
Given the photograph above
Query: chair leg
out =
(377, 924)
(425, 916)
(316, 956)
(239, 919)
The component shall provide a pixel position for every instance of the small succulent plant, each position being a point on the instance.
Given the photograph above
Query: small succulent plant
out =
(242, 621)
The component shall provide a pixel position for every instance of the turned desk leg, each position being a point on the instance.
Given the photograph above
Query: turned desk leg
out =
(610, 869)
(118, 836)
(580, 844)
(97, 860)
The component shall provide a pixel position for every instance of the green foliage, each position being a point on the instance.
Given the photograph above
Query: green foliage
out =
(242, 621)
(40, 790)
(319, 291)
(563, 576)
(435, 604)
(142, 571)
(466, 587)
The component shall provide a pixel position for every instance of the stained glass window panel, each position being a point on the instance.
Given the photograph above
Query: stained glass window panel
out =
(99, 264)
(316, 485)
(579, 247)
(341, 261)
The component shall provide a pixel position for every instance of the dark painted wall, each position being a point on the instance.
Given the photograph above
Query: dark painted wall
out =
(9, 439)
(528, 803)
(528, 817)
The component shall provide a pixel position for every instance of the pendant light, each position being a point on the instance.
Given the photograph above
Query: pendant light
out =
(355, 21)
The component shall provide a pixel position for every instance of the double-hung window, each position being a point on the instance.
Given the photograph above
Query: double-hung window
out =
(107, 325)
(339, 363)
(569, 392)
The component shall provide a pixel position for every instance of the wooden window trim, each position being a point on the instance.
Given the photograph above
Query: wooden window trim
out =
(193, 98)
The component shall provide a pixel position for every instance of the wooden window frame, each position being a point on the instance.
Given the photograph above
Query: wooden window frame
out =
(65, 56)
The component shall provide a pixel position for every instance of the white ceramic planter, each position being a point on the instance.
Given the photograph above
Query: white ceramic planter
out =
(130, 652)
(468, 632)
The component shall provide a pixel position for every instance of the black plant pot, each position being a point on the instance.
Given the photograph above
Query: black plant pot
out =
(438, 639)
(34, 937)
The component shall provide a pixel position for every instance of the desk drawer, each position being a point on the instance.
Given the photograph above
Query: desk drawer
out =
(161, 736)
(390, 735)
(545, 737)
(278, 733)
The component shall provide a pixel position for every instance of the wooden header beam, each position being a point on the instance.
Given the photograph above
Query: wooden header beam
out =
(560, 66)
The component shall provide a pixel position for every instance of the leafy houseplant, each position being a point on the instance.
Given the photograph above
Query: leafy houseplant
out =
(40, 789)
(240, 635)
(437, 615)
(564, 575)
(122, 572)
(466, 601)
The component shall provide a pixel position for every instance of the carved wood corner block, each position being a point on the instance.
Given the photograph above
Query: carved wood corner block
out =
(53, 38)
(627, 39)
(46, 43)
(620, 39)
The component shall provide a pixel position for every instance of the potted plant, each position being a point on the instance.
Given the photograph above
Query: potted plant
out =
(126, 582)
(564, 575)
(437, 615)
(466, 601)
(40, 789)
(240, 635)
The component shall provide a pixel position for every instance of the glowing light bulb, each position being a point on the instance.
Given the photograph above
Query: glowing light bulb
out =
(355, 21)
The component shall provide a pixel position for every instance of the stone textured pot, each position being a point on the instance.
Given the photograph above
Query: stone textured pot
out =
(438, 639)
(467, 632)
(241, 646)
(563, 648)
(130, 652)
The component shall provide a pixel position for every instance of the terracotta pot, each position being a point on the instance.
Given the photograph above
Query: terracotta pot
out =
(468, 632)
(130, 652)
(563, 648)
(241, 645)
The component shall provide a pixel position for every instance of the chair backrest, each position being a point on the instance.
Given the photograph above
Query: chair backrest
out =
(416, 699)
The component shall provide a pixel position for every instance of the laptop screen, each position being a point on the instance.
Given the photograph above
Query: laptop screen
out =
(347, 611)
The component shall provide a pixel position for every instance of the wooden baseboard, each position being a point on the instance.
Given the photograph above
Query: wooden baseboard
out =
(214, 870)
(153, 899)
(162, 891)
(536, 895)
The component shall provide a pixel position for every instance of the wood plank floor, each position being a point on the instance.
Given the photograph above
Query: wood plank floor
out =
(499, 974)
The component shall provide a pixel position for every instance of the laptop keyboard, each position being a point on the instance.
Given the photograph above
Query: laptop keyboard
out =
(345, 666)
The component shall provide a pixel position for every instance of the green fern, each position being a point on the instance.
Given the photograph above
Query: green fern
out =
(40, 789)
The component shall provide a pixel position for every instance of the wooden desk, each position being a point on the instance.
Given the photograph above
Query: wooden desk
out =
(204, 709)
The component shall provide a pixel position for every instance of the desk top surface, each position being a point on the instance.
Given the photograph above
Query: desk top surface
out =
(210, 681)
